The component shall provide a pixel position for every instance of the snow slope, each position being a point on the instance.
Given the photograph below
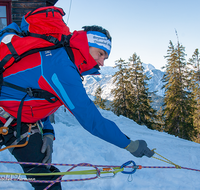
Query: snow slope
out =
(74, 145)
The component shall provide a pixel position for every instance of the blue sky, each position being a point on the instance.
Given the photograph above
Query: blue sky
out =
(144, 27)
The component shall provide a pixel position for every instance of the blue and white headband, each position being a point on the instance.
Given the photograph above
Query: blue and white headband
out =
(99, 40)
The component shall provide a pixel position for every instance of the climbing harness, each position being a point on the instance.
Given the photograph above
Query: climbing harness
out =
(24, 135)
(10, 118)
(100, 171)
(4, 131)
(15, 143)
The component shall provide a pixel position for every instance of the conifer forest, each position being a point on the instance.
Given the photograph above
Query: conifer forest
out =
(180, 113)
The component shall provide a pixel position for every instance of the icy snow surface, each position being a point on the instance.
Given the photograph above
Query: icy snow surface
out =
(75, 145)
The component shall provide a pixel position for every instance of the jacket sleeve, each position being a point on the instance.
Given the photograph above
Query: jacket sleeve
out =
(66, 82)
(47, 127)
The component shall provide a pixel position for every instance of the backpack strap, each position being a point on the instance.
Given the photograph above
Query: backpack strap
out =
(10, 30)
(37, 93)
(66, 43)
(13, 51)
(13, 54)
(44, 37)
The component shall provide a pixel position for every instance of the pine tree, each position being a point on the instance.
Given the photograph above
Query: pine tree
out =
(139, 101)
(159, 123)
(98, 100)
(195, 87)
(120, 104)
(178, 101)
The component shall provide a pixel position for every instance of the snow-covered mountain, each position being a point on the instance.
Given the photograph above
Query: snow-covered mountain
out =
(105, 80)
(74, 145)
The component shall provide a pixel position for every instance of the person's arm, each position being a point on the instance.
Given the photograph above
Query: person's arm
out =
(48, 137)
(47, 127)
(67, 83)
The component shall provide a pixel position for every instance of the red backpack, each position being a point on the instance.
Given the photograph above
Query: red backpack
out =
(41, 29)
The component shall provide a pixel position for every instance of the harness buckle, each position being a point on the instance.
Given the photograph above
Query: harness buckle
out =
(52, 39)
(30, 92)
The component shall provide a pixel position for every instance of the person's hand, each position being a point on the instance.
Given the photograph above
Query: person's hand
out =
(139, 148)
(47, 148)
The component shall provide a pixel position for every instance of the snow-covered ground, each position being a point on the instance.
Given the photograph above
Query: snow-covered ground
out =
(75, 145)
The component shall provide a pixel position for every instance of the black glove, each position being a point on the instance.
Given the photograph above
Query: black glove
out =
(139, 148)
(47, 148)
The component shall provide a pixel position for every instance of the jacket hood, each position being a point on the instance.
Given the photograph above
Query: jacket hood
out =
(82, 58)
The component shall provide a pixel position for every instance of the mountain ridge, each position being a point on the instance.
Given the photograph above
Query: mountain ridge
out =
(105, 80)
